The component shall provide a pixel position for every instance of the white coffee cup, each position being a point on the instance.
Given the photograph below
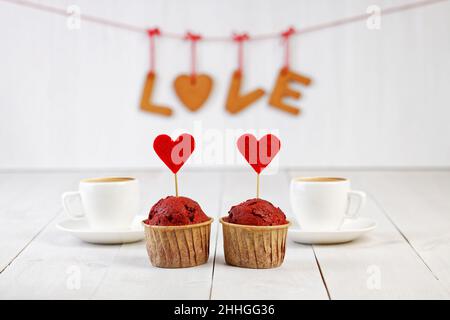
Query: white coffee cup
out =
(323, 203)
(107, 203)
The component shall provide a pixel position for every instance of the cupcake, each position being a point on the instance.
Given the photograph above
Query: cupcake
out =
(177, 233)
(254, 234)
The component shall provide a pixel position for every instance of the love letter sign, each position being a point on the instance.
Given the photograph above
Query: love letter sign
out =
(174, 153)
(194, 89)
(258, 153)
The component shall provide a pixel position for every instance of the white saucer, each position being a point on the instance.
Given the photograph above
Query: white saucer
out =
(80, 229)
(351, 229)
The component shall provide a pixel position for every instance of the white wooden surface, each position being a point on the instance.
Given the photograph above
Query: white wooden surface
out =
(407, 256)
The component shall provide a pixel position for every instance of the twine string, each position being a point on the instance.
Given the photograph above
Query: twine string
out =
(193, 38)
(152, 33)
(306, 30)
(286, 35)
(239, 39)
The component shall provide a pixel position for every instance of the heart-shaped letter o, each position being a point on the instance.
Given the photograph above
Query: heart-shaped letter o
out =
(258, 153)
(193, 92)
(174, 153)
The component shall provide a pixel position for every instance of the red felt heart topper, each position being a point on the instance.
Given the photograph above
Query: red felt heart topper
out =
(258, 153)
(174, 153)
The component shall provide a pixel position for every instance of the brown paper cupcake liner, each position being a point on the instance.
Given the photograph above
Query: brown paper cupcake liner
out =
(178, 246)
(257, 247)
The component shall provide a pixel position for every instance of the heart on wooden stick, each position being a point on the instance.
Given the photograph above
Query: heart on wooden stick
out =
(193, 90)
(258, 153)
(174, 153)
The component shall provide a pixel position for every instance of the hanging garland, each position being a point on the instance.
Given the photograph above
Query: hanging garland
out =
(194, 89)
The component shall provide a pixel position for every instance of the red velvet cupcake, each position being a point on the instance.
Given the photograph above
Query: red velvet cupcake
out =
(177, 232)
(254, 234)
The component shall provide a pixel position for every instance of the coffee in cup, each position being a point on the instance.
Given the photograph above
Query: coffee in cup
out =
(107, 203)
(323, 203)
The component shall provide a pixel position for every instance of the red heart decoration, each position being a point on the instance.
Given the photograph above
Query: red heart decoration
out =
(258, 153)
(174, 153)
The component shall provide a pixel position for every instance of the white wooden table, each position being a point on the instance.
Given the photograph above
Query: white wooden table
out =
(407, 256)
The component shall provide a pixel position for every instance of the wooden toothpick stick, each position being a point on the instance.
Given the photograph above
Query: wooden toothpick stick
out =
(176, 184)
(257, 186)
